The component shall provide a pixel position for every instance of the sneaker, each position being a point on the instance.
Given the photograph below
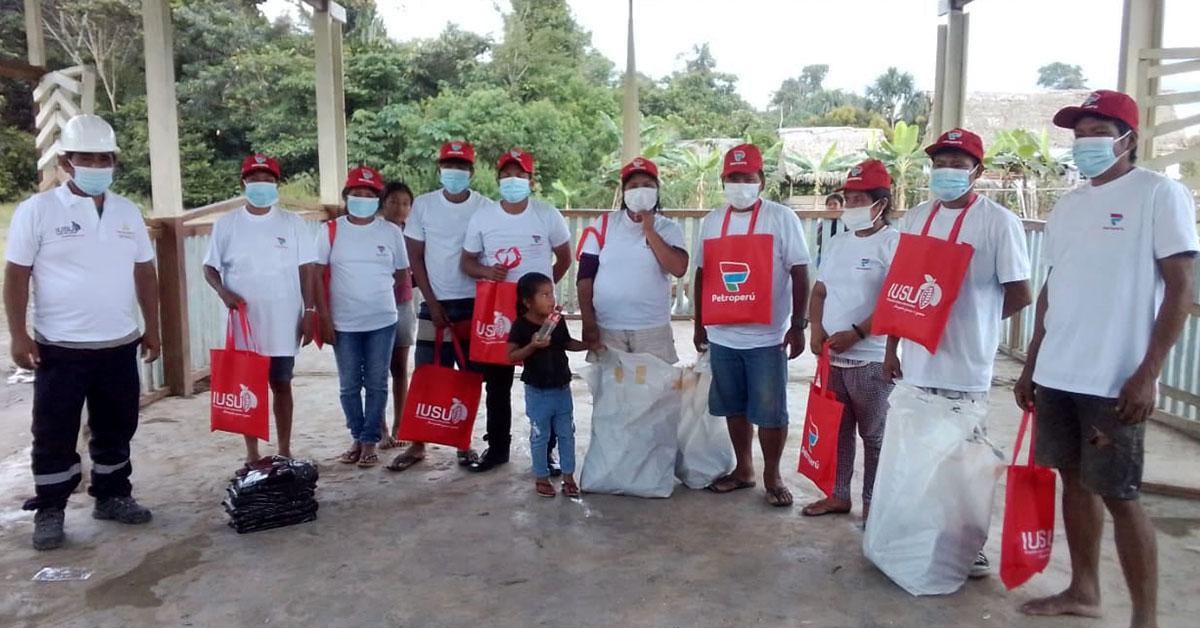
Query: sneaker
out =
(48, 528)
(981, 568)
(121, 509)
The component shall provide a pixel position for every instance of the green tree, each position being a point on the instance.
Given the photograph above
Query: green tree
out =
(892, 94)
(1060, 75)
(702, 102)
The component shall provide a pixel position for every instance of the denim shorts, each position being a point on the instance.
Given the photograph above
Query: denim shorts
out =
(750, 383)
(282, 368)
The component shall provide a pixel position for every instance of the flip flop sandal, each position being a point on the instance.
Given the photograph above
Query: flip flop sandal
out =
(368, 461)
(729, 484)
(544, 488)
(350, 456)
(821, 508)
(388, 442)
(403, 462)
(779, 497)
(570, 489)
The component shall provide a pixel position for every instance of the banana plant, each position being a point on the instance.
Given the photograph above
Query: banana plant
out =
(823, 173)
(903, 157)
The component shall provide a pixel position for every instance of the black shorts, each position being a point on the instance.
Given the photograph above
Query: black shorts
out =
(282, 368)
(1084, 432)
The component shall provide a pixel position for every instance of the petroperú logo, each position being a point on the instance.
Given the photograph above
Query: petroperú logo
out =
(496, 331)
(67, 231)
(453, 414)
(1114, 222)
(928, 294)
(811, 438)
(1092, 99)
(739, 156)
(280, 243)
(733, 275)
(1037, 543)
(239, 403)
(381, 250)
(954, 135)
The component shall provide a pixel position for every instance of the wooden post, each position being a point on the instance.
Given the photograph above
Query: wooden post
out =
(631, 136)
(1141, 28)
(935, 127)
(331, 107)
(35, 42)
(954, 81)
(178, 370)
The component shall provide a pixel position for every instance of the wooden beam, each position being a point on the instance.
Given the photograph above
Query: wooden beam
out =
(173, 304)
(330, 102)
(21, 71)
(35, 42)
(1141, 29)
(161, 109)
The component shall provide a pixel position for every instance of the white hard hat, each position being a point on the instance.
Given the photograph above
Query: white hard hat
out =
(87, 133)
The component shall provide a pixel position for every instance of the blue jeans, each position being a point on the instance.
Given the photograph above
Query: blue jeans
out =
(550, 410)
(363, 358)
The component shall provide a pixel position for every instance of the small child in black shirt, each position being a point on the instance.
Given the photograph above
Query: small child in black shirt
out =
(547, 378)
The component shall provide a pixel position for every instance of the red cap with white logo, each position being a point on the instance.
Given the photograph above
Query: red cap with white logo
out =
(744, 158)
(958, 139)
(520, 157)
(869, 175)
(364, 177)
(457, 149)
(639, 164)
(259, 162)
(1104, 103)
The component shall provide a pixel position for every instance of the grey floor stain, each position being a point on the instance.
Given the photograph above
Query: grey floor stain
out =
(1177, 527)
(136, 586)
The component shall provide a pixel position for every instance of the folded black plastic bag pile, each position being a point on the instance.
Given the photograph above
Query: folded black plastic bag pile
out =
(272, 493)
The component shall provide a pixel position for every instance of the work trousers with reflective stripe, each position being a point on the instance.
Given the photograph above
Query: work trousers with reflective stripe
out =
(107, 381)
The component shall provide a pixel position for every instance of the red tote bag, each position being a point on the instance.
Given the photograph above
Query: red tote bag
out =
(738, 276)
(492, 319)
(441, 401)
(822, 421)
(239, 395)
(1028, 515)
(922, 285)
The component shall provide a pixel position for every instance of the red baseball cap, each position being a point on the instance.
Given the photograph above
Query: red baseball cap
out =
(259, 162)
(639, 164)
(1104, 103)
(958, 139)
(522, 158)
(457, 149)
(364, 177)
(742, 158)
(869, 175)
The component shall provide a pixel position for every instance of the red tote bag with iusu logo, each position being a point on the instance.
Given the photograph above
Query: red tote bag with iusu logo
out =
(922, 285)
(441, 401)
(822, 420)
(494, 313)
(738, 276)
(239, 392)
(1028, 533)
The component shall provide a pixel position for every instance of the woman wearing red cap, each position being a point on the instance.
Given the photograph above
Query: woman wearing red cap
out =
(625, 270)
(852, 270)
(366, 258)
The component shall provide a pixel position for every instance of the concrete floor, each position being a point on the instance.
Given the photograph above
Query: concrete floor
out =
(436, 546)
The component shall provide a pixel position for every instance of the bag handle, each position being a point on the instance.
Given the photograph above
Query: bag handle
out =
(753, 219)
(1027, 419)
(600, 235)
(437, 347)
(957, 221)
(823, 366)
(240, 313)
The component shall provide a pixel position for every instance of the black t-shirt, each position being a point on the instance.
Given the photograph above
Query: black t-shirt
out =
(545, 368)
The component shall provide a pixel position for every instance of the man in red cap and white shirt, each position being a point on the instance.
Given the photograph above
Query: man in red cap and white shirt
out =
(262, 256)
(996, 285)
(506, 241)
(1120, 253)
(749, 360)
(435, 232)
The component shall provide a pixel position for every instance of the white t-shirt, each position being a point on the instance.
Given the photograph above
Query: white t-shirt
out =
(527, 238)
(790, 250)
(83, 286)
(631, 290)
(1102, 244)
(259, 258)
(853, 269)
(442, 226)
(967, 351)
(363, 263)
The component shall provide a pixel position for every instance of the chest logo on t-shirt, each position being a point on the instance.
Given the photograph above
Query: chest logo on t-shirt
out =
(380, 250)
(125, 231)
(72, 230)
(509, 258)
(864, 263)
(280, 243)
(1114, 222)
(537, 239)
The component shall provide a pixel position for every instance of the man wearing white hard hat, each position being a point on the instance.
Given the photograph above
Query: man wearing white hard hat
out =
(89, 256)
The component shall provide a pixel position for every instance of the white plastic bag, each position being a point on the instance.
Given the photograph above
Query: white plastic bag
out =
(705, 452)
(933, 492)
(635, 420)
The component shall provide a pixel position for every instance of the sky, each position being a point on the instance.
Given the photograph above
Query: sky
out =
(763, 42)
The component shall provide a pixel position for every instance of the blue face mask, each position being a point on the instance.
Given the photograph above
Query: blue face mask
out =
(1095, 155)
(455, 181)
(262, 193)
(362, 206)
(514, 189)
(92, 181)
(948, 184)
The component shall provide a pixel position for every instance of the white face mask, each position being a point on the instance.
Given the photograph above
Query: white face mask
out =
(741, 195)
(859, 218)
(641, 199)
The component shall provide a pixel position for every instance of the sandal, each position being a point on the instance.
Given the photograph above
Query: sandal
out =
(389, 442)
(779, 497)
(544, 488)
(824, 507)
(570, 489)
(467, 458)
(403, 462)
(729, 484)
(368, 461)
(350, 456)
